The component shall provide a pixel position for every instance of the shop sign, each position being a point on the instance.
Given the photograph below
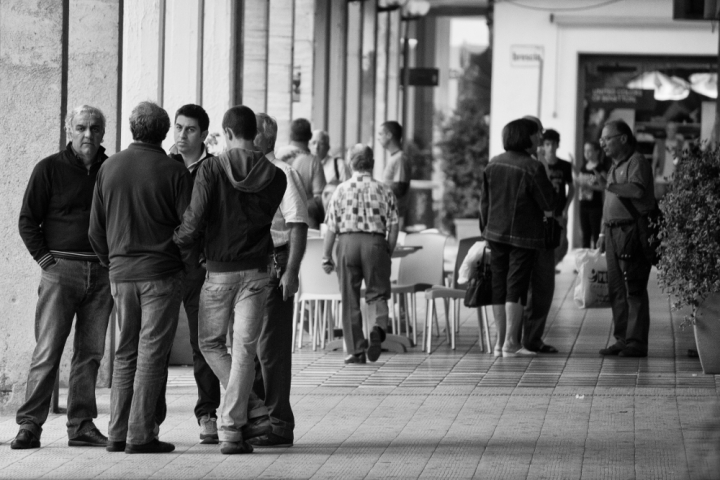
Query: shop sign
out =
(526, 55)
(610, 97)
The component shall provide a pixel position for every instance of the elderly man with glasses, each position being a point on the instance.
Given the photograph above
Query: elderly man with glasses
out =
(629, 198)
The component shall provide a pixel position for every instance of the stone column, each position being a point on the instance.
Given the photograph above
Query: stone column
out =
(53, 56)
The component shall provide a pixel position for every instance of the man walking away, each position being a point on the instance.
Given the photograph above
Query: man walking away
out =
(54, 221)
(398, 168)
(298, 156)
(234, 200)
(273, 363)
(191, 130)
(629, 198)
(363, 213)
(139, 200)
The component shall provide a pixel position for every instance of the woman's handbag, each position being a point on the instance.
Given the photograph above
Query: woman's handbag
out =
(553, 233)
(479, 291)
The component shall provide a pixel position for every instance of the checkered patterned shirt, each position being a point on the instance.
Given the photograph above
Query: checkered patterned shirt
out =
(362, 204)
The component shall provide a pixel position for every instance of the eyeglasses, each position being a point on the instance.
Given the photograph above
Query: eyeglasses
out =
(605, 139)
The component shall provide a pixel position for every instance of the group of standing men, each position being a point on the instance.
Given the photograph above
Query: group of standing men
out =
(142, 232)
(145, 231)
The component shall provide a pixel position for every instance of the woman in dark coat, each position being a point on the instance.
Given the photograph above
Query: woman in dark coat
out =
(515, 194)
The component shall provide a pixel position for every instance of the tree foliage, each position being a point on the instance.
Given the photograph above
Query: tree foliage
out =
(465, 144)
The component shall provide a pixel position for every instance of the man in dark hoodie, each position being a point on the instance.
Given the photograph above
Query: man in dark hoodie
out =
(53, 224)
(140, 197)
(235, 197)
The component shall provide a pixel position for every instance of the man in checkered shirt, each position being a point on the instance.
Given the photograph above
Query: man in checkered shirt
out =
(363, 215)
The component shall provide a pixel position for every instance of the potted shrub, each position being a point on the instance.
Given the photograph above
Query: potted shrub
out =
(689, 233)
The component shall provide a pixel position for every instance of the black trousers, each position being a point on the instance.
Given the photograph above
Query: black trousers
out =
(628, 275)
(540, 297)
(273, 362)
(590, 224)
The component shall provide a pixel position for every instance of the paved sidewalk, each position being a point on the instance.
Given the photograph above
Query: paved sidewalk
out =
(452, 414)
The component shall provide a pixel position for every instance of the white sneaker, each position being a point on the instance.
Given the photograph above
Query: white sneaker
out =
(208, 430)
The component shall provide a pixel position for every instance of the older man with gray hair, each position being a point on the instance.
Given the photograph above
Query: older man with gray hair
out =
(273, 363)
(54, 220)
(139, 200)
(363, 215)
(334, 167)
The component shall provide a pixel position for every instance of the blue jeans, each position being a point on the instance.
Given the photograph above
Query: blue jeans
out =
(147, 313)
(67, 289)
(240, 297)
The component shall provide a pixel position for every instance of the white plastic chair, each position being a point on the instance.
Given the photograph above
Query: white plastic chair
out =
(419, 271)
(455, 296)
(318, 290)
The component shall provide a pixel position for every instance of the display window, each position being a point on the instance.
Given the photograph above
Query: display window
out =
(668, 101)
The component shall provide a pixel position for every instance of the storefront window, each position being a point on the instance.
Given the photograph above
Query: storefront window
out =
(668, 101)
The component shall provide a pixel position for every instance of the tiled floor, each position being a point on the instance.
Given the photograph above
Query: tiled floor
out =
(451, 414)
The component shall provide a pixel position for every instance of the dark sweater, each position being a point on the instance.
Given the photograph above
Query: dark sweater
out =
(55, 212)
(139, 200)
(233, 202)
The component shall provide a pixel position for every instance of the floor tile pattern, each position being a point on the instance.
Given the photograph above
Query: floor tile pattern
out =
(450, 414)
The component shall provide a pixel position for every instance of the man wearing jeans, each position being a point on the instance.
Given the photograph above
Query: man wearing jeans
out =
(140, 197)
(273, 365)
(235, 197)
(53, 224)
(191, 129)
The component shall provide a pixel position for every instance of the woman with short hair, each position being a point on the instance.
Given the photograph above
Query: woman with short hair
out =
(515, 193)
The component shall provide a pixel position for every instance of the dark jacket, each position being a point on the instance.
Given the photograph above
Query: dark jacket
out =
(515, 190)
(233, 202)
(55, 212)
(140, 197)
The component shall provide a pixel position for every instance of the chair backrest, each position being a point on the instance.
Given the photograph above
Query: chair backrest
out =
(313, 280)
(426, 264)
(463, 248)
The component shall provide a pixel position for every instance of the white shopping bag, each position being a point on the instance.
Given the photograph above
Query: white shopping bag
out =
(468, 267)
(592, 283)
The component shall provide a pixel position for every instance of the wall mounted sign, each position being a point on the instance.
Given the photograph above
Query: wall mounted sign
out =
(526, 55)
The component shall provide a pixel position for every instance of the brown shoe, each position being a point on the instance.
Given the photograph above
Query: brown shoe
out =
(235, 448)
(256, 427)
(93, 438)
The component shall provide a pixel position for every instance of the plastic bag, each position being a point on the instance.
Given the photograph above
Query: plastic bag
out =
(468, 269)
(592, 285)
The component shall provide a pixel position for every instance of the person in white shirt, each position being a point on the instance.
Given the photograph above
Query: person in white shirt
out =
(273, 363)
(335, 168)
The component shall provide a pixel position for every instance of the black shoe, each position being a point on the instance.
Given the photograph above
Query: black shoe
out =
(631, 352)
(611, 350)
(356, 358)
(545, 348)
(271, 440)
(153, 446)
(118, 446)
(25, 439)
(256, 427)
(235, 448)
(376, 338)
(93, 438)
